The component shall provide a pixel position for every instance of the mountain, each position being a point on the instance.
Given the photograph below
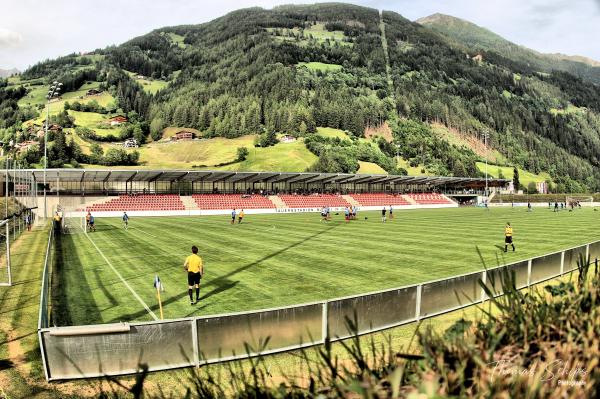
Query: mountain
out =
(477, 38)
(5, 73)
(355, 86)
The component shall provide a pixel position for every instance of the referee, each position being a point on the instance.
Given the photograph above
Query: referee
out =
(195, 269)
(508, 237)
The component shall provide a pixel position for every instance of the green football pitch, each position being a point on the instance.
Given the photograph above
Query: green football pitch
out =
(284, 259)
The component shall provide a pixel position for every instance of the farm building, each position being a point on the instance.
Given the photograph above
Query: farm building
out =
(93, 92)
(182, 135)
(117, 120)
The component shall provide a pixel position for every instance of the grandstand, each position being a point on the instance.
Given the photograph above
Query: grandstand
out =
(181, 192)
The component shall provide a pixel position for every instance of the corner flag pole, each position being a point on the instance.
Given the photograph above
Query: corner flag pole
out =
(158, 286)
(159, 303)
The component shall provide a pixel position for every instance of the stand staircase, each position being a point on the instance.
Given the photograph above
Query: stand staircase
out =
(189, 203)
(279, 204)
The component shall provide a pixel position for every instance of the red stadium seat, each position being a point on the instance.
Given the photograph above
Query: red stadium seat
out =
(232, 201)
(430, 199)
(314, 201)
(145, 202)
(380, 199)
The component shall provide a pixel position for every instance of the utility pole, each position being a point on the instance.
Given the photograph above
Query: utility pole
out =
(485, 139)
(53, 92)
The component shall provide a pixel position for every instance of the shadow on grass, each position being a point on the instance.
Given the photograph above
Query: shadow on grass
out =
(223, 280)
(71, 293)
(221, 288)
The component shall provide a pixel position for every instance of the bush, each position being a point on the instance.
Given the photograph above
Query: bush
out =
(242, 153)
(532, 188)
(118, 156)
(266, 139)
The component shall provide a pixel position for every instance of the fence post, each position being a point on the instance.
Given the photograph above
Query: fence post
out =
(8, 254)
(14, 228)
(484, 281)
(324, 322)
(587, 252)
(418, 302)
(196, 342)
(562, 262)
(528, 272)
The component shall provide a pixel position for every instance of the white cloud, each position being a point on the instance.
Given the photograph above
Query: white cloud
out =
(9, 38)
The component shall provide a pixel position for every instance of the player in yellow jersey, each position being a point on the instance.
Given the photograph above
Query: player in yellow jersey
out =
(195, 269)
(241, 216)
(508, 237)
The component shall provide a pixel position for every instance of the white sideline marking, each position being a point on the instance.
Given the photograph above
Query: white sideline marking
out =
(122, 279)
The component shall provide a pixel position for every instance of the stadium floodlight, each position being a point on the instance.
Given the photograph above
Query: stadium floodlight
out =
(52, 93)
(486, 134)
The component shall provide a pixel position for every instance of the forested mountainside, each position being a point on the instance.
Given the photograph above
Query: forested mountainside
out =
(476, 38)
(293, 69)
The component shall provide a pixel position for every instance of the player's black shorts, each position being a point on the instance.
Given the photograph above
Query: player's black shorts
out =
(193, 278)
(508, 239)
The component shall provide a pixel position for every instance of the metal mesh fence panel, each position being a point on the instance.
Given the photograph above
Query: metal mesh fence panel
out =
(371, 312)
(160, 346)
(571, 257)
(545, 267)
(495, 277)
(227, 336)
(3, 258)
(44, 316)
(440, 296)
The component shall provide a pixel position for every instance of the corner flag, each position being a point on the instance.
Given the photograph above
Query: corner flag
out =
(158, 284)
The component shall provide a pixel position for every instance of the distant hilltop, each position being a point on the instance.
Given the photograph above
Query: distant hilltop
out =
(5, 73)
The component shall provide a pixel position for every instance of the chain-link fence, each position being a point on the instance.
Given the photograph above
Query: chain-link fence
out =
(16, 211)
(115, 349)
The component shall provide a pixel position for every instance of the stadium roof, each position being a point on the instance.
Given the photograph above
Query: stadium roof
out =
(147, 175)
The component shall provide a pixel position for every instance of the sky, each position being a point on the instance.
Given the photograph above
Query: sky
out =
(34, 30)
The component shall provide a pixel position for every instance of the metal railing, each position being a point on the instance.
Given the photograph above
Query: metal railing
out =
(116, 349)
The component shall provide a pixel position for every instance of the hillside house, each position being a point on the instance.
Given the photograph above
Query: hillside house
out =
(130, 143)
(288, 139)
(92, 92)
(25, 145)
(478, 58)
(183, 135)
(33, 128)
(117, 120)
